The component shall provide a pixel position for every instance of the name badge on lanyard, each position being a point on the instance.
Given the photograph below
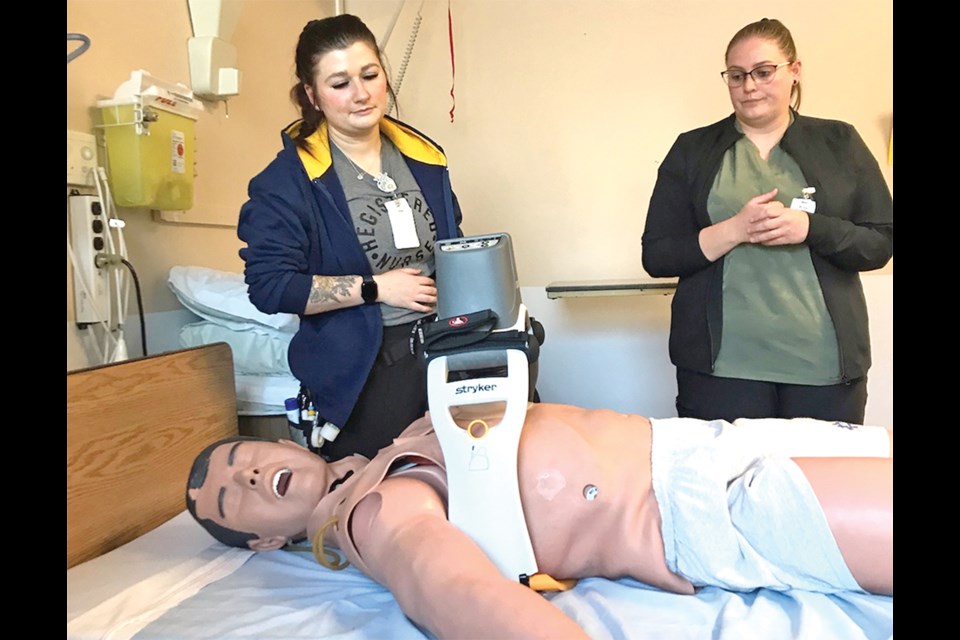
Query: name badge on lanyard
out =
(401, 224)
(806, 203)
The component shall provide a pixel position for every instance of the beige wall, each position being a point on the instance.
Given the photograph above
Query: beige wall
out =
(564, 108)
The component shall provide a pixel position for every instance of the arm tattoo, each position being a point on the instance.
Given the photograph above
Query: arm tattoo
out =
(330, 288)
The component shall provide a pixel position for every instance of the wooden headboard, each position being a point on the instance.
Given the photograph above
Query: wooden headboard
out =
(133, 430)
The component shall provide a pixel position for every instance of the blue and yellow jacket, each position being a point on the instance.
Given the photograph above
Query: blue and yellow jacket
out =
(296, 224)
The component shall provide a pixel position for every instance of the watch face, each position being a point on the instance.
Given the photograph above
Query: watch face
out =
(369, 290)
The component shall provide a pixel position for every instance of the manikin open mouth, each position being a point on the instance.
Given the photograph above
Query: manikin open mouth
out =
(281, 481)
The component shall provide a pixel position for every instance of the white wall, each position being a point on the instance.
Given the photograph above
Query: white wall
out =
(565, 108)
(612, 352)
(85, 346)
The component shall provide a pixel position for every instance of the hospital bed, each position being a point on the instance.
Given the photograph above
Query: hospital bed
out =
(139, 567)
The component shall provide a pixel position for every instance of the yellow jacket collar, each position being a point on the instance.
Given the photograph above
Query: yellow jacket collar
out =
(316, 155)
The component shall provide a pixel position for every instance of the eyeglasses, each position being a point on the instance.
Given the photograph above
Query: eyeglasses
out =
(761, 75)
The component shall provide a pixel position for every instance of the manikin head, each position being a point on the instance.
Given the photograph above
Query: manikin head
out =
(249, 492)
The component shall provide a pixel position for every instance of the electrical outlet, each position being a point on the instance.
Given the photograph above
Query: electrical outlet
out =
(81, 158)
(88, 228)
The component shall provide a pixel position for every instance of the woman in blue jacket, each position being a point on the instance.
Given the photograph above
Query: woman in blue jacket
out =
(340, 229)
(767, 217)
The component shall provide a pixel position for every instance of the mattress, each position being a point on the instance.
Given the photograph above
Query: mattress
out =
(177, 582)
(264, 395)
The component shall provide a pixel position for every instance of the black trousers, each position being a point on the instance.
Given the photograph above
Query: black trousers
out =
(394, 395)
(709, 397)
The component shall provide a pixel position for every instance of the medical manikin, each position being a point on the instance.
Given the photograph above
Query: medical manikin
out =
(541, 491)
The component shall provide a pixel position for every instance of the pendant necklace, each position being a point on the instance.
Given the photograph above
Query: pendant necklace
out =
(384, 182)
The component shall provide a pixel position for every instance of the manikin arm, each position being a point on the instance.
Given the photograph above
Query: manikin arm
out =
(441, 579)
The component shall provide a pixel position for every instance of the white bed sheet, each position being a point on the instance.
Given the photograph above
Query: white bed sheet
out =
(122, 591)
(283, 594)
(264, 395)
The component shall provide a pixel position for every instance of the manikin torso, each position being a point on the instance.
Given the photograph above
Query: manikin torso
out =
(586, 491)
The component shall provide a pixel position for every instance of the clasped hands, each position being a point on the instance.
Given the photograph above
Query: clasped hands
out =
(766, 221)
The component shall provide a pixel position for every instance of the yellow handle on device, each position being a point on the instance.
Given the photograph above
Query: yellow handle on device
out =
(545, 582)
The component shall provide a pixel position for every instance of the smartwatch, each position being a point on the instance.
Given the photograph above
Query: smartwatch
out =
(369, 290)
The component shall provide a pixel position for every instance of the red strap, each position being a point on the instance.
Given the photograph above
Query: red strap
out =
(453, 66)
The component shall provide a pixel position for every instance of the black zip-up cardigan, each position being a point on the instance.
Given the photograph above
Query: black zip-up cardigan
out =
(851, 231)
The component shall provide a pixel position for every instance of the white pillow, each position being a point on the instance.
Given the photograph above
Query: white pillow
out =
(221, 297)
(256, 350)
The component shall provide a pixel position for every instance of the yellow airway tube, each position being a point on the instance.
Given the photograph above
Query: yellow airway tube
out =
(544, 582)
(327, 557)
(890, 150)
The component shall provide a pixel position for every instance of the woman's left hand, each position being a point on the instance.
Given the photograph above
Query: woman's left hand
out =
(779, 226)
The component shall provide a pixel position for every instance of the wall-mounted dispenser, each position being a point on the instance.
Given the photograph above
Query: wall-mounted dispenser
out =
(148, 133)
(213, 60)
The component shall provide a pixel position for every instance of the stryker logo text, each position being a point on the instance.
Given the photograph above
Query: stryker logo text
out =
(475, 388)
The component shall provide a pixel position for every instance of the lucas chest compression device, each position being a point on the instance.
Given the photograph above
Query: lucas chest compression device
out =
(482, 348)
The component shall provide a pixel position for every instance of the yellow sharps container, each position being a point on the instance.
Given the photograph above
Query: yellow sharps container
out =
(148, 133)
